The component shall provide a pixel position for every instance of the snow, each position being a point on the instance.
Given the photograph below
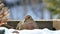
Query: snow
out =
(35, 31)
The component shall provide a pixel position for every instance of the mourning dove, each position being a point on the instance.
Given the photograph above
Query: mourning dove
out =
(29, 23)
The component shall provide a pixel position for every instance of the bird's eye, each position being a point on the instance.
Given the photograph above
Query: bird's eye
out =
(28, 17)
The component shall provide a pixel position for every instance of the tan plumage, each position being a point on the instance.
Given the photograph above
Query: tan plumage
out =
(19, 26)
(29, 23)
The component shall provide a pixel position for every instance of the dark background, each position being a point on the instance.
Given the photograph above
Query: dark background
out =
(41, 24)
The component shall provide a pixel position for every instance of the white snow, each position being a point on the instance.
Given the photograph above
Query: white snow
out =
(35, 31)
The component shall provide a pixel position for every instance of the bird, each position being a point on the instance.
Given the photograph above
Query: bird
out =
(29, 23)
(19, 26)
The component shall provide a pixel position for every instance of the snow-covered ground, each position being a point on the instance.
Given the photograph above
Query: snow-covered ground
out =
(35, 31)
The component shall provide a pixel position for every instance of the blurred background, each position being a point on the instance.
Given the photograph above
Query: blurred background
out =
(38, 9)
